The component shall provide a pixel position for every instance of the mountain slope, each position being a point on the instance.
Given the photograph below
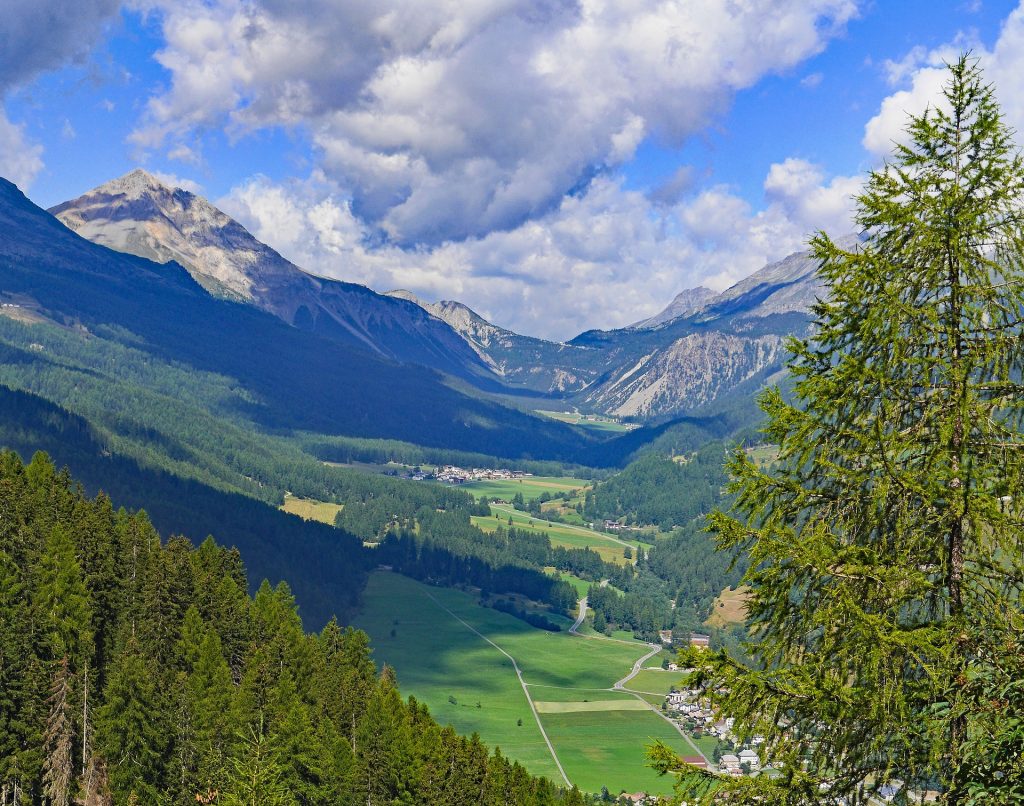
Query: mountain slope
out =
(102, 308)
(523, 361)
(703, 350)
(140, 215)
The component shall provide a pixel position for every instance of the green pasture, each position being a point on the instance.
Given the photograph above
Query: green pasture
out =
(530, 487)
(598, 423)
(607, 748)
(654, 681)
(438, 659)
(561, 534)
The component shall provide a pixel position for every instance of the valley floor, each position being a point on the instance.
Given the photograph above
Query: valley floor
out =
(561, 713)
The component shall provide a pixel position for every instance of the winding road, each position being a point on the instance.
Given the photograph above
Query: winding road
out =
(621, 684)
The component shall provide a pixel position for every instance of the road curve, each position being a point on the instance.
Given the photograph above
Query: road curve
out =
(655, 649)
(582, 604)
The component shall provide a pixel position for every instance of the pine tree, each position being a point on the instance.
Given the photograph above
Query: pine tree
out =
(886, 554)
(257, 777)
(130, 728)
(383, 743)
(209, 693)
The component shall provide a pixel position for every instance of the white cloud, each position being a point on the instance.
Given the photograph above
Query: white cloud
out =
(922, 73)
(20, 160)
(35, 36)
(453, 120)
(605, 257)
(171, 180)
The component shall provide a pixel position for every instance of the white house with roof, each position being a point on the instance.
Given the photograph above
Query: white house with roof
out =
(751, 759)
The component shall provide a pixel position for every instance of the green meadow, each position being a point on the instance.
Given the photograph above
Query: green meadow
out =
(434, 639)
(607, 748)
(561, 534)
(655, 681)
(595, 421)
(530, 487)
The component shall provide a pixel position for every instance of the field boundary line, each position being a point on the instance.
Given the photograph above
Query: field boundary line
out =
(522, 683)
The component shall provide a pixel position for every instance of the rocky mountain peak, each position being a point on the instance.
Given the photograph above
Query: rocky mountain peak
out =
(133, 185)
(685, 303)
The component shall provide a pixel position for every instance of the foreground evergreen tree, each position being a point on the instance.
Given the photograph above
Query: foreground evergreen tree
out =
(886, 547)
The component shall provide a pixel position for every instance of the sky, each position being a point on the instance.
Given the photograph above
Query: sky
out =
(557, 165)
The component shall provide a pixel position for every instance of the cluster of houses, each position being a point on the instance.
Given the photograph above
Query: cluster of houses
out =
(691, 710)
(452, 474)
(615, 526)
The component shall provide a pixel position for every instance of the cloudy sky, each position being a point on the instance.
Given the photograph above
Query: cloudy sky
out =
(558, 165)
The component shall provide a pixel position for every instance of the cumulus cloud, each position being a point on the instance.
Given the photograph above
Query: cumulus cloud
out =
(35, 36)
(20, 160)
(455, 120)
(604, 257)
(921, 74)
(39, 35)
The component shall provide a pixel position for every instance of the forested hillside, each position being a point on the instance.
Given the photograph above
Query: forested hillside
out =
(139, 672)
(655, 490)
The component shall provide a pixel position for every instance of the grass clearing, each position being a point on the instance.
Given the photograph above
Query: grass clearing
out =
(763, 455)
(655, 681)
(311, 510)
(530, 487)
(729, 608)
(595, 421)
(469, 684)
(561, 534)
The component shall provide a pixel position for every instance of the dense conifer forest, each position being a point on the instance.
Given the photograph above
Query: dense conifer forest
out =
(139, 672)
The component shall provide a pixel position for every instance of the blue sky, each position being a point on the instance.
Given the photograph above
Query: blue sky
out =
(556, 165)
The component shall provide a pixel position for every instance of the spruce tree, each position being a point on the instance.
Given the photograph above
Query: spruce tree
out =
(131, 728)
(886, 563)
(258, 777)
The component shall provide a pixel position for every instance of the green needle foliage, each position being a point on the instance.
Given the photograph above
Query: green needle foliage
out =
(885, 547)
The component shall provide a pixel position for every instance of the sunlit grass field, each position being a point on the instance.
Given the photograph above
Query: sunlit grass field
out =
(439, 659)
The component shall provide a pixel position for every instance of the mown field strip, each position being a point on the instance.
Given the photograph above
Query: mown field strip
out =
(563, 707)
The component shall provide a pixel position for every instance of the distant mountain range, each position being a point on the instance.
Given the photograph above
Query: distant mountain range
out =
(702, 349)
(130, 340)
(140, 215)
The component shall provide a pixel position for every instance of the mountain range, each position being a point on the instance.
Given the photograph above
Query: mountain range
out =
(142, 216)
(702, 349)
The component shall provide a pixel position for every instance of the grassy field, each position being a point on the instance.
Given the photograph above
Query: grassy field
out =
(582, 586)
(596, 748)
(561, 534)
(311, 510)
(729, 608)
(763, 455)
(655, 681)
(530, 487)
(595, 421)
(438, 658)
